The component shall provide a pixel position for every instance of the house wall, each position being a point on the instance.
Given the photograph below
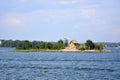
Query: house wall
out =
(72, 44)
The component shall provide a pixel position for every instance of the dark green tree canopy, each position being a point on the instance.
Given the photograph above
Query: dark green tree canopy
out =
(40, 45)
(90, 44)
(60, 41)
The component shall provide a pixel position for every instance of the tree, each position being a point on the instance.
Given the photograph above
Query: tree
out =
(26, 44)
(16, 42)
(42, 45)
(90, 44)
(55, 46)
(49, 45)
(60, 41)
(20, 46)
(35, 43)
(98, 46)
(60, 44)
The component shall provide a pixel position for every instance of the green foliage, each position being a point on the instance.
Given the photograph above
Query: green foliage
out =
(46, 45)
(8, 43)
(90, 44)
(98, 46)
(81, 47)
(43, 45)
(35, 47)
(60, 44)
(24, 45)
(55, 46)
(19, 46)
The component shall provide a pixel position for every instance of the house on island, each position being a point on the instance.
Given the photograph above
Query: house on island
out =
(73, 43)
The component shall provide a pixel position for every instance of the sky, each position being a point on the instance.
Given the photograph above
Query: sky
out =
(51, 20)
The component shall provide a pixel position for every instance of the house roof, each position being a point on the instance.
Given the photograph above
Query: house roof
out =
(74, 41)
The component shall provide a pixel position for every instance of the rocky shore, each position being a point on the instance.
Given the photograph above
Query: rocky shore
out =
(73, 49)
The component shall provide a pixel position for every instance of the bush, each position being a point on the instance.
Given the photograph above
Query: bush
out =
(98, 46)
(81, 47)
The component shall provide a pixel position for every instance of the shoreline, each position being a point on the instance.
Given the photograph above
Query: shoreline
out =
(63, 50)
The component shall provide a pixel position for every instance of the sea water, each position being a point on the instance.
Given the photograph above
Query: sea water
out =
(59, 65)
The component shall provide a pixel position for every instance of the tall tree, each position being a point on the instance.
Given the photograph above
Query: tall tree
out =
(90, 44)
(60, 44)
(26, 44)
(60, 41)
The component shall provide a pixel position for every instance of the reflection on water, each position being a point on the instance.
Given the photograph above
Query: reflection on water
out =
(58, 66)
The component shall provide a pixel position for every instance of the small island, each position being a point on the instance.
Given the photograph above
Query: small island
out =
(59, 46)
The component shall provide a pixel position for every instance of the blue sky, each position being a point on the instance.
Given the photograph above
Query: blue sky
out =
(51, 20)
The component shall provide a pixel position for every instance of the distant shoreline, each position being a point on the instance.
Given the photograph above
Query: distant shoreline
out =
(63, 50)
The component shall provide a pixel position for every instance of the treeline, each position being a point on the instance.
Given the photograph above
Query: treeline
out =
(89, 45)
(26, 45)
(9, 43)
(60, 44)
(34, 44)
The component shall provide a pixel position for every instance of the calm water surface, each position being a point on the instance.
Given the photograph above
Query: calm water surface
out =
(59, 65)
